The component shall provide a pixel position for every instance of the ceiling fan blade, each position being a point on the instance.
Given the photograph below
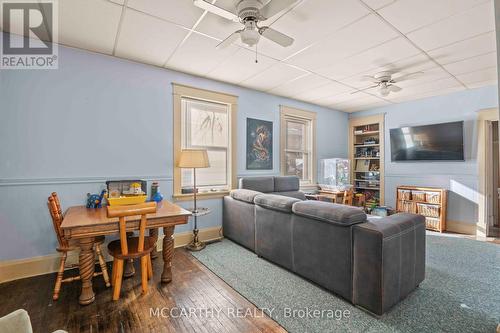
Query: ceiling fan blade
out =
(368, 78)
(408, 77)
(394, 88)
(275, 6)
(276, 36)
(367, 88)
(216, 10)
(229, 40)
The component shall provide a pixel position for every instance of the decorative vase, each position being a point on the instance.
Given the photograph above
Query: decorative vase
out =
(158, 196)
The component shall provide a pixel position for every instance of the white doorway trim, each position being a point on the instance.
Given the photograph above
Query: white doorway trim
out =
(486, 189)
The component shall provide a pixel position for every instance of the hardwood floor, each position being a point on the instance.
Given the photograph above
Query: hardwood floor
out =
(194, 287)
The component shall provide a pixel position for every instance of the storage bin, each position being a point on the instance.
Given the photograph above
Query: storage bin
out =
(433, 197)
(428, 210)
(407, 207)
(432, 223)
(404, 194)
(418, 195)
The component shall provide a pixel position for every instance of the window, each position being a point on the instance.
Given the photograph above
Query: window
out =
(298, 151)
(204, 120)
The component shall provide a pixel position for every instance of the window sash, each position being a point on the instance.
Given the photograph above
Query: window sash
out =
(304, 149)
(205, 176)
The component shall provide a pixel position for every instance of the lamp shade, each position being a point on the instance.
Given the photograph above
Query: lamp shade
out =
(193, 158)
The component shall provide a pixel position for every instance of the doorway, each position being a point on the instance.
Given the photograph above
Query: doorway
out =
(489, 173)
(495, 177)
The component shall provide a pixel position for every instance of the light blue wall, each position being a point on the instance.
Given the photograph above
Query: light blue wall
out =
(461, 178)
(98, 118)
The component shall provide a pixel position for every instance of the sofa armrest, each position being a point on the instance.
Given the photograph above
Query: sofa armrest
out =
(388, 260)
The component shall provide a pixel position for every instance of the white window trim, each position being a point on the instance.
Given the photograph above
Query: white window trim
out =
(287, 112)
(180, 91)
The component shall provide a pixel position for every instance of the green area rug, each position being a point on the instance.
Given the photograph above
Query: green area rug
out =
(461, 292)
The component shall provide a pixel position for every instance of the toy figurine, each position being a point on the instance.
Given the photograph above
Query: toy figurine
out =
(135, 189)
(95, 200)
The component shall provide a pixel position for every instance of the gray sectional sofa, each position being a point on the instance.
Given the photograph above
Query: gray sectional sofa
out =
(374, 264)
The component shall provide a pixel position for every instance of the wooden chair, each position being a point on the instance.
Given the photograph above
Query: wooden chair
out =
(66, 246)
(348, 197)
(132, 247)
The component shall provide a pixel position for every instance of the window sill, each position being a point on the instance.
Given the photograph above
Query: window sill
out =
(200, 196)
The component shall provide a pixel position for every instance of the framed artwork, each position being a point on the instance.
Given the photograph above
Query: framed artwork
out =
(259, 144)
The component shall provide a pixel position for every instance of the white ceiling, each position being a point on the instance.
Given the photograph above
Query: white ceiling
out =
(336, 42)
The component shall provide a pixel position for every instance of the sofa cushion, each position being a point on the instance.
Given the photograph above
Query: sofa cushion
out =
(260, 184)
(286, 183)
(329, 212)
(293, 194)
(275, 202)
(244, 195)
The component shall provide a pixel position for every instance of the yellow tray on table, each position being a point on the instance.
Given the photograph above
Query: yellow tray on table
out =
(127, 200)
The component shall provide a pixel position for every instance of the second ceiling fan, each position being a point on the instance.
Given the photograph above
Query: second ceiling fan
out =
(250, 13)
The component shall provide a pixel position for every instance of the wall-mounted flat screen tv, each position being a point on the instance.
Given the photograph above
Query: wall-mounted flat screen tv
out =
(437, 142)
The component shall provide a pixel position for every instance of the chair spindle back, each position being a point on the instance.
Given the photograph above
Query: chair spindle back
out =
(132, 210)
(57, 218)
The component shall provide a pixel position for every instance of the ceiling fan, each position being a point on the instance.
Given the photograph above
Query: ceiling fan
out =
(385, 83)
(250, 13)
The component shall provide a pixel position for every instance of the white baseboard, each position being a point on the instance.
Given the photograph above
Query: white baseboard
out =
(461, 227)
(22, 268)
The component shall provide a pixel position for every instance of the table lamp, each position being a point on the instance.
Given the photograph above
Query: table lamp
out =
(194, 158)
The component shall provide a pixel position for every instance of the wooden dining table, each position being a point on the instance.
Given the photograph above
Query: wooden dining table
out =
(84, 224)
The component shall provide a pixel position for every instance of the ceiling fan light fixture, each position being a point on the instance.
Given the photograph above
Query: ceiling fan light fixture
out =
(384, 90)
(250, 34)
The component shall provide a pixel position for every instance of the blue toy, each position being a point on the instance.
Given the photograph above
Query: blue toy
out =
(95, 200)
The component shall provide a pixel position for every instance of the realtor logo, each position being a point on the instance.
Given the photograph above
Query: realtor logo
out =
(29, 38)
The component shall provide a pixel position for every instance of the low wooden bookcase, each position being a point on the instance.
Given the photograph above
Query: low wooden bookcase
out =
(427, 201)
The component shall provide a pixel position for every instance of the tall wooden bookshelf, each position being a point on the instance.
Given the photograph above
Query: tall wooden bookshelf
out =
(366, 151)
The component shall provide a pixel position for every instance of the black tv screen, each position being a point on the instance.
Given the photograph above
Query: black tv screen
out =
(438, 142)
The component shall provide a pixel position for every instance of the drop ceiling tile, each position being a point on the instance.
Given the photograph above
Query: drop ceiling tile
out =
(357, 37)
(300, 85)
(465, 49)
(482, 84)
(240, 66)
(147, 39)
(311, 21)
(472, 64)
(358, 101)
(273, 77)
(182, 12)
(377, 4)
(198, 55)
(89, 24)
(488, 74)
(364, 107)
(478, 20)
(341, 98)
(329, 89)
(376, 57)
(409, 15)
(430, 93)
(120, 2)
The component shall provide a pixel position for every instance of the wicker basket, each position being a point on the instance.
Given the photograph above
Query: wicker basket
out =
(418, 195)
(432, 223)
(433, 197)
(407, 207)
(404, 194)
(428, 210)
